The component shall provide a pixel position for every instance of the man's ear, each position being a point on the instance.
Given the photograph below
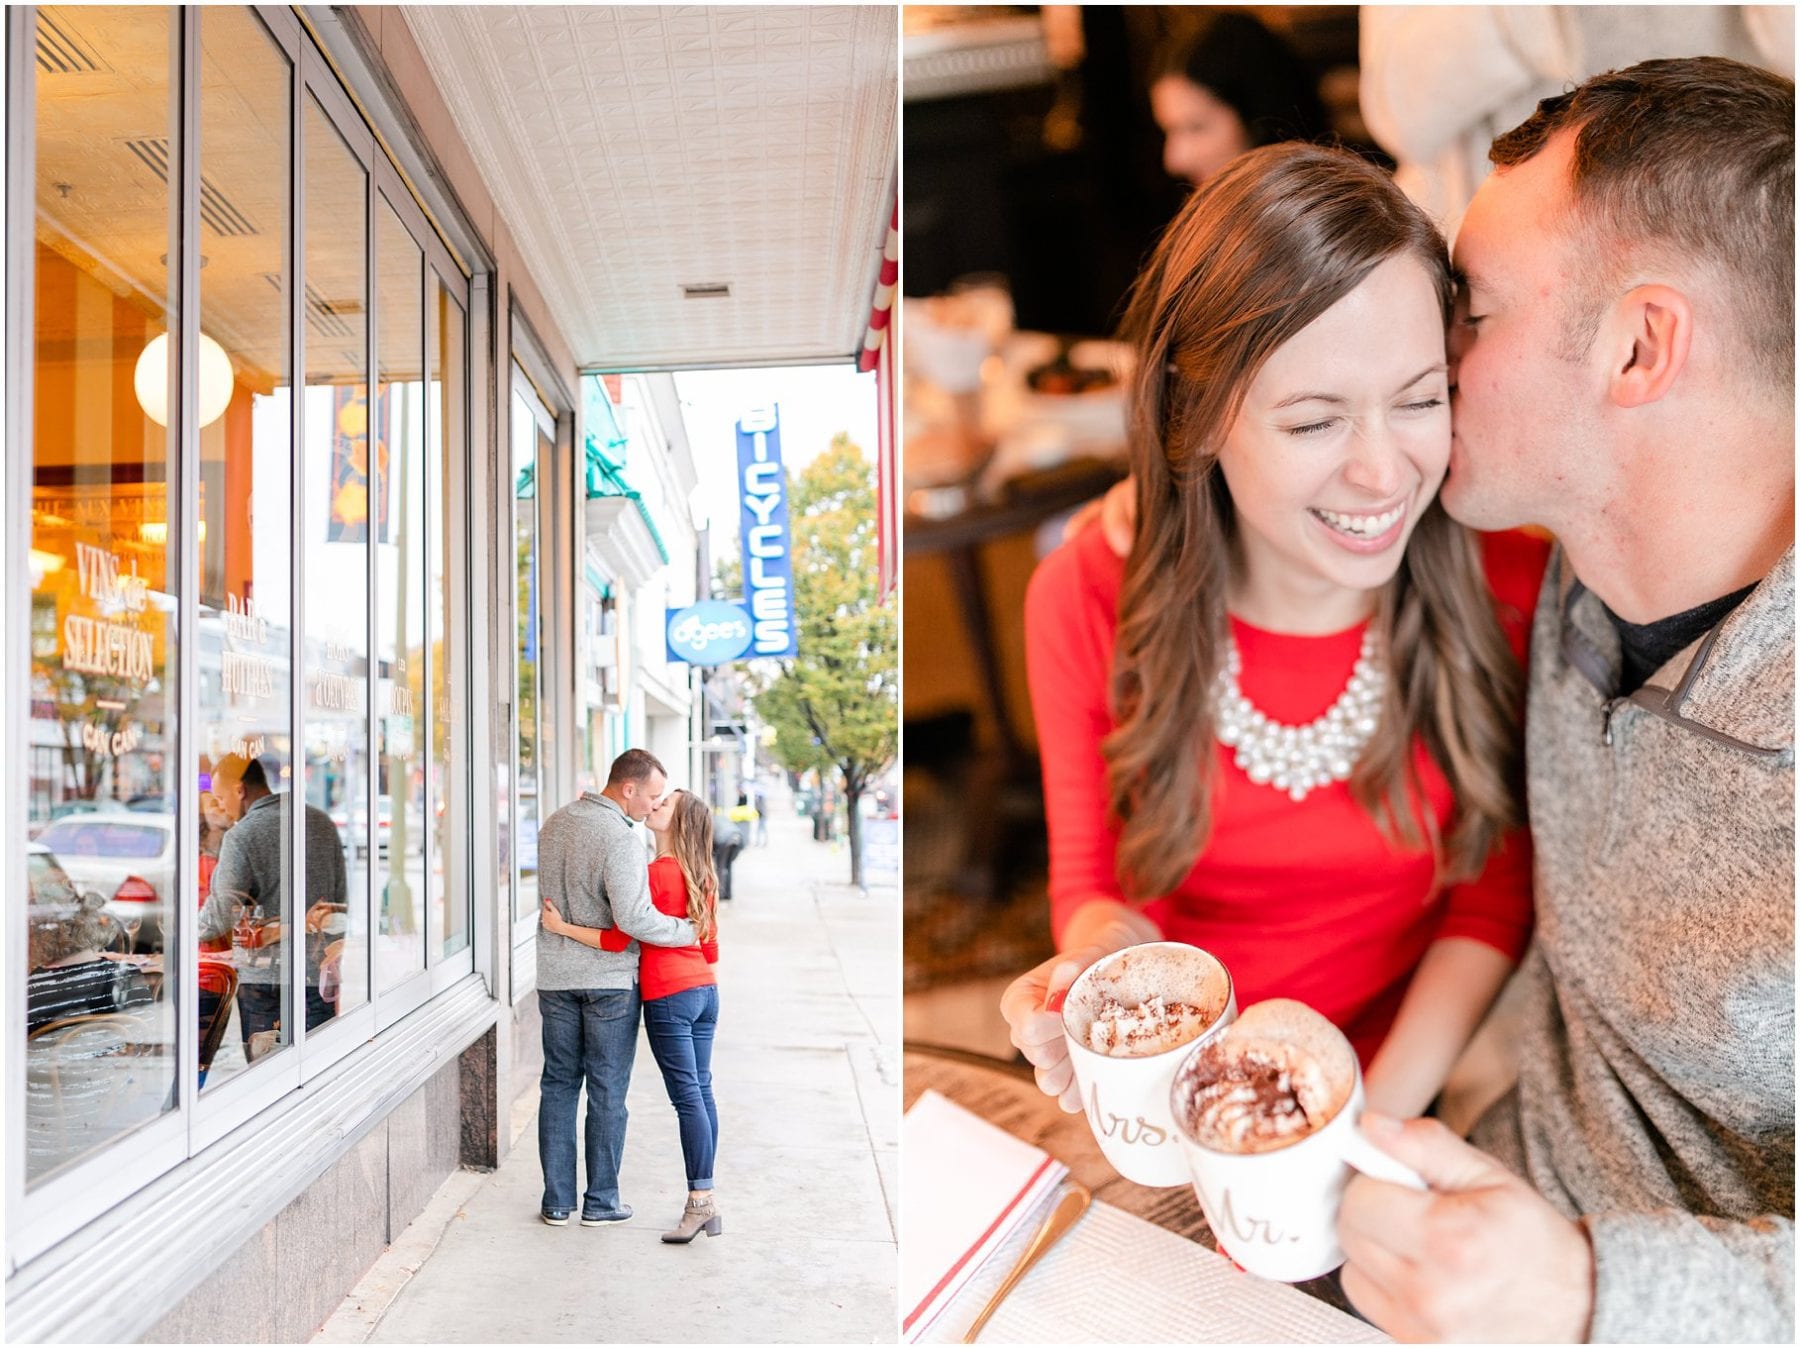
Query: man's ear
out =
(1647, 335)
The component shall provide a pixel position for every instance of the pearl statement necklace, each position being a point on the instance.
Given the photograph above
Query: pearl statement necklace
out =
(1296, 759)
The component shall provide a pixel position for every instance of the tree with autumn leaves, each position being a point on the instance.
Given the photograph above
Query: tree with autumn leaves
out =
(836, 705)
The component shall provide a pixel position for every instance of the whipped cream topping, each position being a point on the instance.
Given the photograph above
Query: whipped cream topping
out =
(1150, 1027)
(1257, 1097)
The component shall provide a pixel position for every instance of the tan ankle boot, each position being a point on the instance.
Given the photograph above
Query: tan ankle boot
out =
(698, 1215)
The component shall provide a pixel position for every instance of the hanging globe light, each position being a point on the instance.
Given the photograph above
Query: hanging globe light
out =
(151, 380)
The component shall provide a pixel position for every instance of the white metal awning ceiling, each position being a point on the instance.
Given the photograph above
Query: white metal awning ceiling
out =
(635, 151)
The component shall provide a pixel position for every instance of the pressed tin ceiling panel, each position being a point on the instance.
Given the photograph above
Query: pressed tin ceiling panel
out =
(635, 151)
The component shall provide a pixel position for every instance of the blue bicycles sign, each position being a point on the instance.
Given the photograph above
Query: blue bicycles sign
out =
(763, 510)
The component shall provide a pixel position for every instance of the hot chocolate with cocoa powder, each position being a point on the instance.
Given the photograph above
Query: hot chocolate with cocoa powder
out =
(1147, 1000)
(1278, 1074)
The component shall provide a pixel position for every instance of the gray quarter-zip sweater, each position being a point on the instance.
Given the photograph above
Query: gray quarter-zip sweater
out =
(1656, 1091)
(252, 871)
(594, 866)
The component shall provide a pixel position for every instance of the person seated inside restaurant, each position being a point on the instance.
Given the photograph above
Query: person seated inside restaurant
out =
(70, 974)
(1230, 86)
(245, 903)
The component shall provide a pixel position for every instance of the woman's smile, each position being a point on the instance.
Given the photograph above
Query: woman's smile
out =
(1363, 531)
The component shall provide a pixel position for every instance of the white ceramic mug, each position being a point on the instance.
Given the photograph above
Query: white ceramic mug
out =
(1126, 1098)
(1275, 1212)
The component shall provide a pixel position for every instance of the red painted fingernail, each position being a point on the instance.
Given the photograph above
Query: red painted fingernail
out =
(1054, 1003)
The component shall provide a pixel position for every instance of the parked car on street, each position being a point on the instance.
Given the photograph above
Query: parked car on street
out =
(128, 856)
(53, 896)
(49, 885)
(61, 810)
(355, 831)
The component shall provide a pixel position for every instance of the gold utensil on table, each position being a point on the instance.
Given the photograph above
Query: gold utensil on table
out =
(1066, 1214)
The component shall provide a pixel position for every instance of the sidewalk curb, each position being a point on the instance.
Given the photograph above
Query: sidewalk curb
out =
(363, 1307)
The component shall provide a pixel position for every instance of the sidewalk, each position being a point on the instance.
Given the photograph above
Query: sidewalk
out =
(806, 1074)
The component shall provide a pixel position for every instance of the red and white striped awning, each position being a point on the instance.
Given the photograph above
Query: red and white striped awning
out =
(881, 310)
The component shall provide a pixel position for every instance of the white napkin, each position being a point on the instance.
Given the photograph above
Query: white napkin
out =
(966, 1188)
(1118, 1279)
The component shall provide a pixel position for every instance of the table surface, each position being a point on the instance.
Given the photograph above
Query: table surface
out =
(1022, 503)
(1006, 1095)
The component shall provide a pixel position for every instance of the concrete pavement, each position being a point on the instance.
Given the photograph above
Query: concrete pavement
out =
(807, 1079)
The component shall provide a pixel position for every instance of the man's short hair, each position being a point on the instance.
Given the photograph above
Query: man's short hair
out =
(1683, 160)
(235, 768)
(634, 765)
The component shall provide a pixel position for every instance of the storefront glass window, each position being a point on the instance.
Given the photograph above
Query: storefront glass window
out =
(363, 781)
(542, 616)
(449, 395)
(104, 897)
(592, 648)
(342, 510)
(528, 582)
(244, 611)
(400, 586)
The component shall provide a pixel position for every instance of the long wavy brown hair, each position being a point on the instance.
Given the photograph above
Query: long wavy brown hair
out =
(1259, 252)
(690, 843)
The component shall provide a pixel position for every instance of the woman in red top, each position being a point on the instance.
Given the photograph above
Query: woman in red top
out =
(1287, 727)
(681, 996)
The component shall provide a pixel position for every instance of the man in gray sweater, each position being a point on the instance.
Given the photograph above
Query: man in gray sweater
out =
(594, 866)
(1624, 377)
(247, 899)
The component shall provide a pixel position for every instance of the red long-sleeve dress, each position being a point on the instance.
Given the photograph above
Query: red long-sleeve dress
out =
(1300, 899)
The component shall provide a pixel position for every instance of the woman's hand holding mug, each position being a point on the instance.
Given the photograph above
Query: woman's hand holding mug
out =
(1032, 1003)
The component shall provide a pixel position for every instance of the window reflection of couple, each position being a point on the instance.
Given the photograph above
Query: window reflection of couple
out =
(610, 929)
(1620, 371)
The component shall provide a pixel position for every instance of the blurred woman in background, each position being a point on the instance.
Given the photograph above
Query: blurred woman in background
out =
(1229, 87)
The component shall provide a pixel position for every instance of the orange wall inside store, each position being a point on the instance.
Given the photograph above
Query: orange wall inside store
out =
(89, 340)
(87, 417)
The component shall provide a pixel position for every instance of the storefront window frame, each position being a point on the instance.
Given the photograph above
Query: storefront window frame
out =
(557, 506)
(75, 1196)
(214, 1113)
(79, 1191)
(322, 1047)
(417, 988)
(524, 926)
(459, 817)
(230, 1104)
(561, 526)
(15, 404)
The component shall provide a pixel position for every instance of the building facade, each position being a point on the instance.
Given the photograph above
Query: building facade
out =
(329, 575)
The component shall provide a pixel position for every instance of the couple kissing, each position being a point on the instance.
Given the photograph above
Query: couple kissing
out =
(616, 937)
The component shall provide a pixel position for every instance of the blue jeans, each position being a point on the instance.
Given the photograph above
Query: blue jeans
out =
(681, 1028)
(590, 1035)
